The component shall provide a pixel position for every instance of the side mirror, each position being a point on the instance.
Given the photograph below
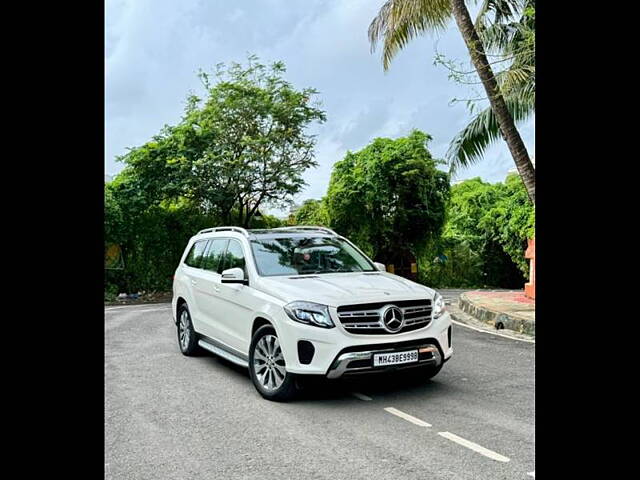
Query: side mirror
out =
(380, 266)
(234, 275)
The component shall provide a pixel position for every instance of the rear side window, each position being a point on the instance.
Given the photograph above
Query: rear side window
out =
(196, 254)
(234, 258)
(213, 258)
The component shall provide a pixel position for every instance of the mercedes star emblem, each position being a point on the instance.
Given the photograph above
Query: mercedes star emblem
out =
(392, 318)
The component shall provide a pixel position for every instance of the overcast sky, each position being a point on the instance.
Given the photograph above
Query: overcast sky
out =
(154, 49)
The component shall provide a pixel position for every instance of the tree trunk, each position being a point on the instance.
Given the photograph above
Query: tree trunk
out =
(241, 215)
(504, 118)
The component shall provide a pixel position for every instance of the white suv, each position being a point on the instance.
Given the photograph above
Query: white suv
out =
(303, 301)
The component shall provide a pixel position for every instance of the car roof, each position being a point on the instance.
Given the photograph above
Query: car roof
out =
(288, 233)
(295, 230)
(258, 233)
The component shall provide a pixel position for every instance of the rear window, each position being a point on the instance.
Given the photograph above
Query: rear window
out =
(212, 260)
(196, 254)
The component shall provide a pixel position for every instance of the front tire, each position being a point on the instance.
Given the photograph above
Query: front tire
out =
(267, 367)
(187, 338)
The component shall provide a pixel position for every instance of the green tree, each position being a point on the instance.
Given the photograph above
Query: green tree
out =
(484, 238)
(152, 236)
(511, 221)
(312, 212)
(267, 221)
(399, 21)
(241, 147)
(389, 197)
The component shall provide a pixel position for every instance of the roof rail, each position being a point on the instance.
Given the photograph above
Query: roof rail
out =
(309, 227)
(225, 229)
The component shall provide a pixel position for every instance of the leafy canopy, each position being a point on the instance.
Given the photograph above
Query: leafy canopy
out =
(390, 196)
(312, 212)
(485, 236)
(242, 146)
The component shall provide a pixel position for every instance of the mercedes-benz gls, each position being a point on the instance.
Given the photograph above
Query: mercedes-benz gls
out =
(303, 301)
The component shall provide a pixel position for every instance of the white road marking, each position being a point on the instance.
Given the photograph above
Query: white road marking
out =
(533, 474)
(492, 333)
(408, 417)
(474, 446)
(361, 396)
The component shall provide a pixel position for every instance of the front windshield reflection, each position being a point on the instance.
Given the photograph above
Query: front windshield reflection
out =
(307, 255)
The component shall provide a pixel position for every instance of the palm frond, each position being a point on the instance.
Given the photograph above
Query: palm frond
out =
(516, 78)
(400, 21)
(502, 11)
(497, 36)
(469, 144)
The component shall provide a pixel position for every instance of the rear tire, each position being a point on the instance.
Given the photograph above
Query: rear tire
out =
(267, 367)
(187, 338)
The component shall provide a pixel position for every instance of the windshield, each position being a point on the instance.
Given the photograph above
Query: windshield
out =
(300, 255)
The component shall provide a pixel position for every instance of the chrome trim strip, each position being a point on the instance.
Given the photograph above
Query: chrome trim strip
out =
(223, 353)
(362, 325)
(339, 366)
(309, 228)
(412, 321)
(224, 229)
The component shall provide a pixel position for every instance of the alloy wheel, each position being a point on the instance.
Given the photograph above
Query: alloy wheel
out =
(184, 331)
(268, 363)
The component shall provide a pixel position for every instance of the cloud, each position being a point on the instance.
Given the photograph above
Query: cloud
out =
(154, 49)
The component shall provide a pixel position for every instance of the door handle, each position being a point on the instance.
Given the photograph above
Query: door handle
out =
(216, 289)
(194, 283)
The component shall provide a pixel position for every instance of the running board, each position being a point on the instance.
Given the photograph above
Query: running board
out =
(223, 353)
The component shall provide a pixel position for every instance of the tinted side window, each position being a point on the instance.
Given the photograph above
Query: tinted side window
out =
(194, 259)
(212, 260)
(234, 257)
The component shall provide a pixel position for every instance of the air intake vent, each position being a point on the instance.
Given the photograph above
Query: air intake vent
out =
(303, 277)
(306, 351)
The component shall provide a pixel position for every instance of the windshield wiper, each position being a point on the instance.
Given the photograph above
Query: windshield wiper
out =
(332, 271)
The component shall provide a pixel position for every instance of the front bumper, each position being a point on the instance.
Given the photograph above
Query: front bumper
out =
(338, 352)
(360, 362)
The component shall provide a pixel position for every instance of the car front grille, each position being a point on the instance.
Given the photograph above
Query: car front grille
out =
(366, 318)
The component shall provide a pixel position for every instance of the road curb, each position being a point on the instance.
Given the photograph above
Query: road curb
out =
(491, 317)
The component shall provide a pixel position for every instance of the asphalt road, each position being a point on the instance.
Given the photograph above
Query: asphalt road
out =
(173, 417)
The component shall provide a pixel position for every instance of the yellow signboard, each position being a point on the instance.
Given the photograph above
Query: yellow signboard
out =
(414, 268)
(113, 257)
(390, 268)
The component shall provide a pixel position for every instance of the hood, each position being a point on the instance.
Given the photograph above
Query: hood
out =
(336, 289)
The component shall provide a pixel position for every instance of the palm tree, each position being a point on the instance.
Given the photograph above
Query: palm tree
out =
(399, 21)
(510, 37)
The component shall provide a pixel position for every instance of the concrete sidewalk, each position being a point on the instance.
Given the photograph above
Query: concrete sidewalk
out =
(501, 309)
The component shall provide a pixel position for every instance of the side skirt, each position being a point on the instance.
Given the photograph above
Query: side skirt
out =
(218, 349)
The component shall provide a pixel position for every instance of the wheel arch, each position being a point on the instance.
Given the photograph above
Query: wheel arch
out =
(260, 321)
(179, 302)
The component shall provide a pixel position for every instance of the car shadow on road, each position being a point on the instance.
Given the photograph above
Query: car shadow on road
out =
(371, 386)
(320, 389)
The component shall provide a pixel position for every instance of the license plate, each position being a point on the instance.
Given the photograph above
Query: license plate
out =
(383, 359)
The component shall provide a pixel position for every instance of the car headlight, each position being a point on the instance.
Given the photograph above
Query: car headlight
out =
(309, 313)
(438, 306)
